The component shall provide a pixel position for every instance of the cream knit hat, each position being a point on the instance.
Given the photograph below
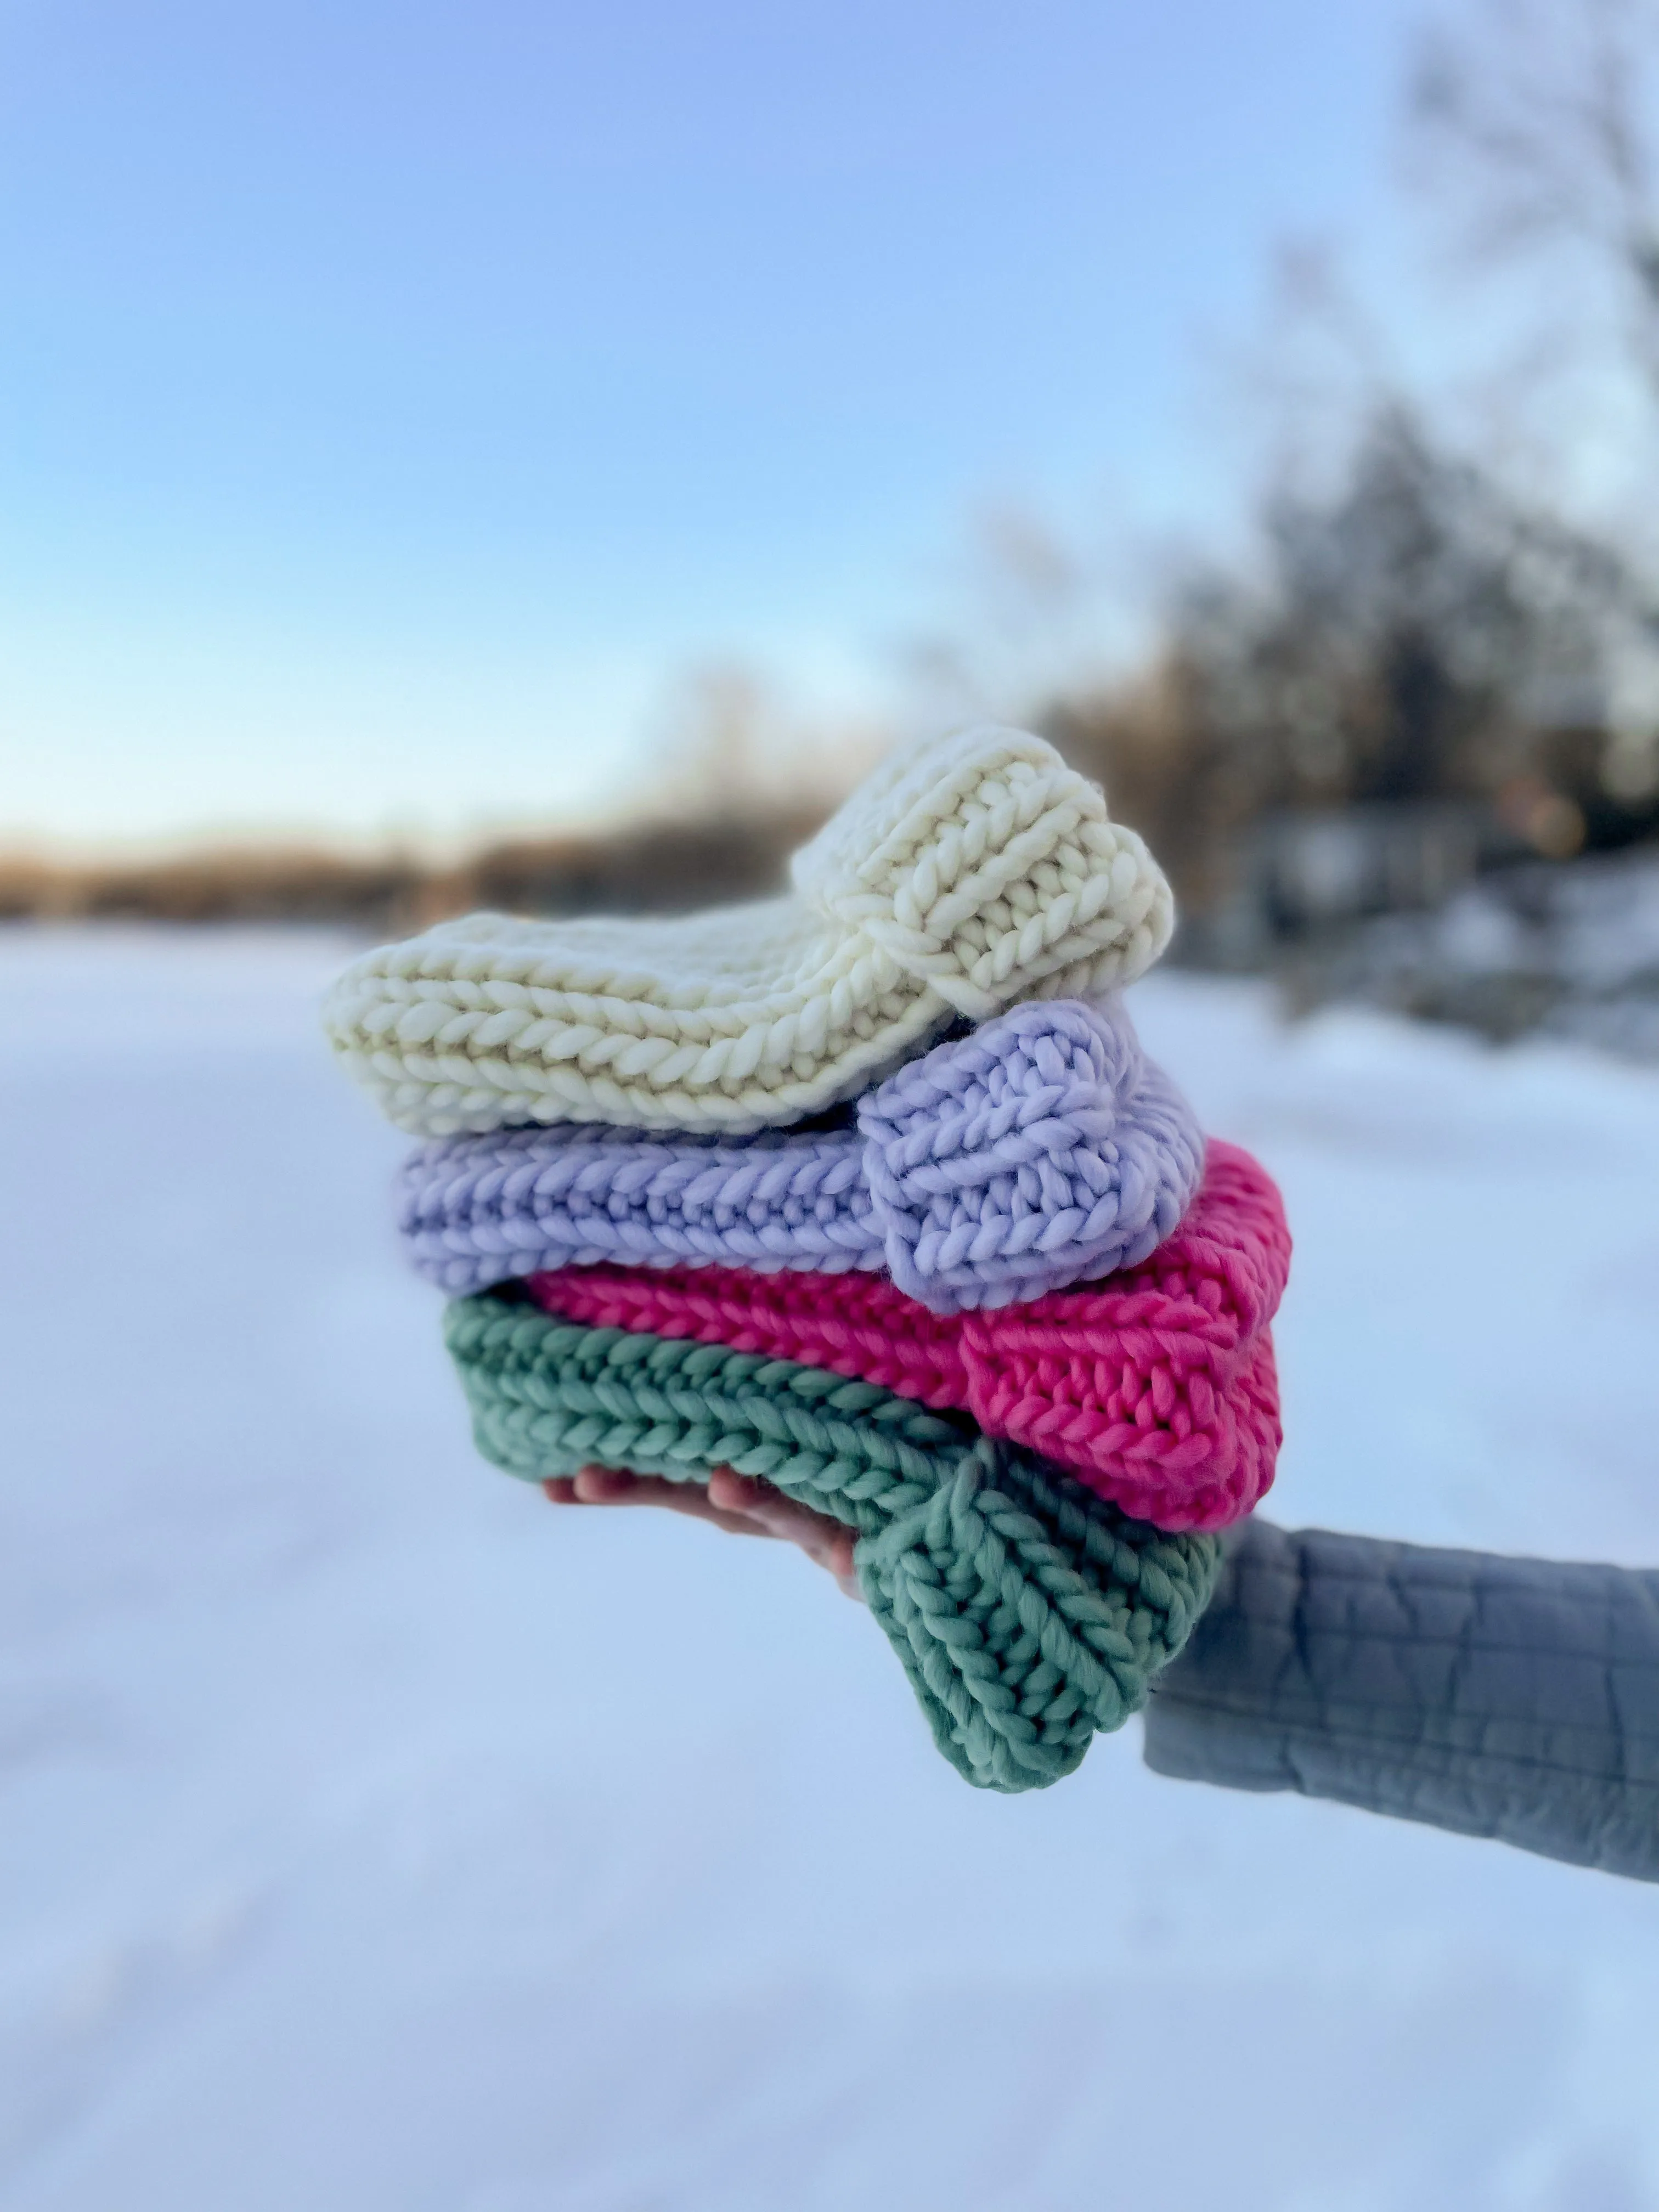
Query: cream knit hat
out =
(965, 873)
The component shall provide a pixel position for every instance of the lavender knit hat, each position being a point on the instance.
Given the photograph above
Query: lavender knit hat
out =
(1042, 1149)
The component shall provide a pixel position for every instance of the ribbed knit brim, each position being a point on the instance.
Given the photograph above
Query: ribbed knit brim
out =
(1041, 1149)
(967, 874)
(1155, 1387)
(1029, 1614)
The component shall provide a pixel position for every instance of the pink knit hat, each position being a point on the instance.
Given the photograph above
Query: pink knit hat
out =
(1155, 1386)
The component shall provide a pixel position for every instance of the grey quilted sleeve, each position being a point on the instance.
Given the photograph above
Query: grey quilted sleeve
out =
(1518, 1698)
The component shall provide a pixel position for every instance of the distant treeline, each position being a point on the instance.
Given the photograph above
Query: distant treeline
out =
(658, 867)
(1416, 650)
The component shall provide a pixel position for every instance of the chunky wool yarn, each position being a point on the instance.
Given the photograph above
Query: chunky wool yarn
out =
(966, 874)
(1028, 1615)
(1156, 1387)
(1038, 1150)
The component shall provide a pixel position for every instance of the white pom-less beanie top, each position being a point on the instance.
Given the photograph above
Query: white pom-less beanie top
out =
(964, 874)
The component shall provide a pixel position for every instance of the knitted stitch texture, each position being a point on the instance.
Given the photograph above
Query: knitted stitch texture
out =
(1157, 1387)
(1028, 1614)
(964, 875)
(1039, 1149)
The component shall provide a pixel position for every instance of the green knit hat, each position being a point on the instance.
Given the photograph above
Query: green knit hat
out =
(1028, 1612)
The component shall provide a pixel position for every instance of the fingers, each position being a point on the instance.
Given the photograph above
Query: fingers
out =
(781, 1515)
(823, 1541)
(739, 1504)
(612, 1485)
(606, 1485)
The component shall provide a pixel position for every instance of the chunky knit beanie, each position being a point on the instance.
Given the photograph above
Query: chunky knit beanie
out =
(1154, 1387)
(1028, 1613)
(966, 873)
(1038, 1150)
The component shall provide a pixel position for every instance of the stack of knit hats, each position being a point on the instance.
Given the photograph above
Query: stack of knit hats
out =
(870, 1191)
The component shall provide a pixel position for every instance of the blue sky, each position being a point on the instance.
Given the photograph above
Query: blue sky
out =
(396, 401)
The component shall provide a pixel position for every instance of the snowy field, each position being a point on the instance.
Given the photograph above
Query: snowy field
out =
(375, 1839)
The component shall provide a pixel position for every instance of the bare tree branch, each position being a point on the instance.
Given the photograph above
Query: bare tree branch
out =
(1541, 118)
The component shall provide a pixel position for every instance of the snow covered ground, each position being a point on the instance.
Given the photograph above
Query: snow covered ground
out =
(372, 1836)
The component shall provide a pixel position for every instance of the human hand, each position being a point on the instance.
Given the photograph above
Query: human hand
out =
(735, 1503)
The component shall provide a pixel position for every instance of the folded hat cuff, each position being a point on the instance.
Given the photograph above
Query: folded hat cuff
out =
(972, 873)
(1154, 1387)
(1039, 1149)
(1028, 1615)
